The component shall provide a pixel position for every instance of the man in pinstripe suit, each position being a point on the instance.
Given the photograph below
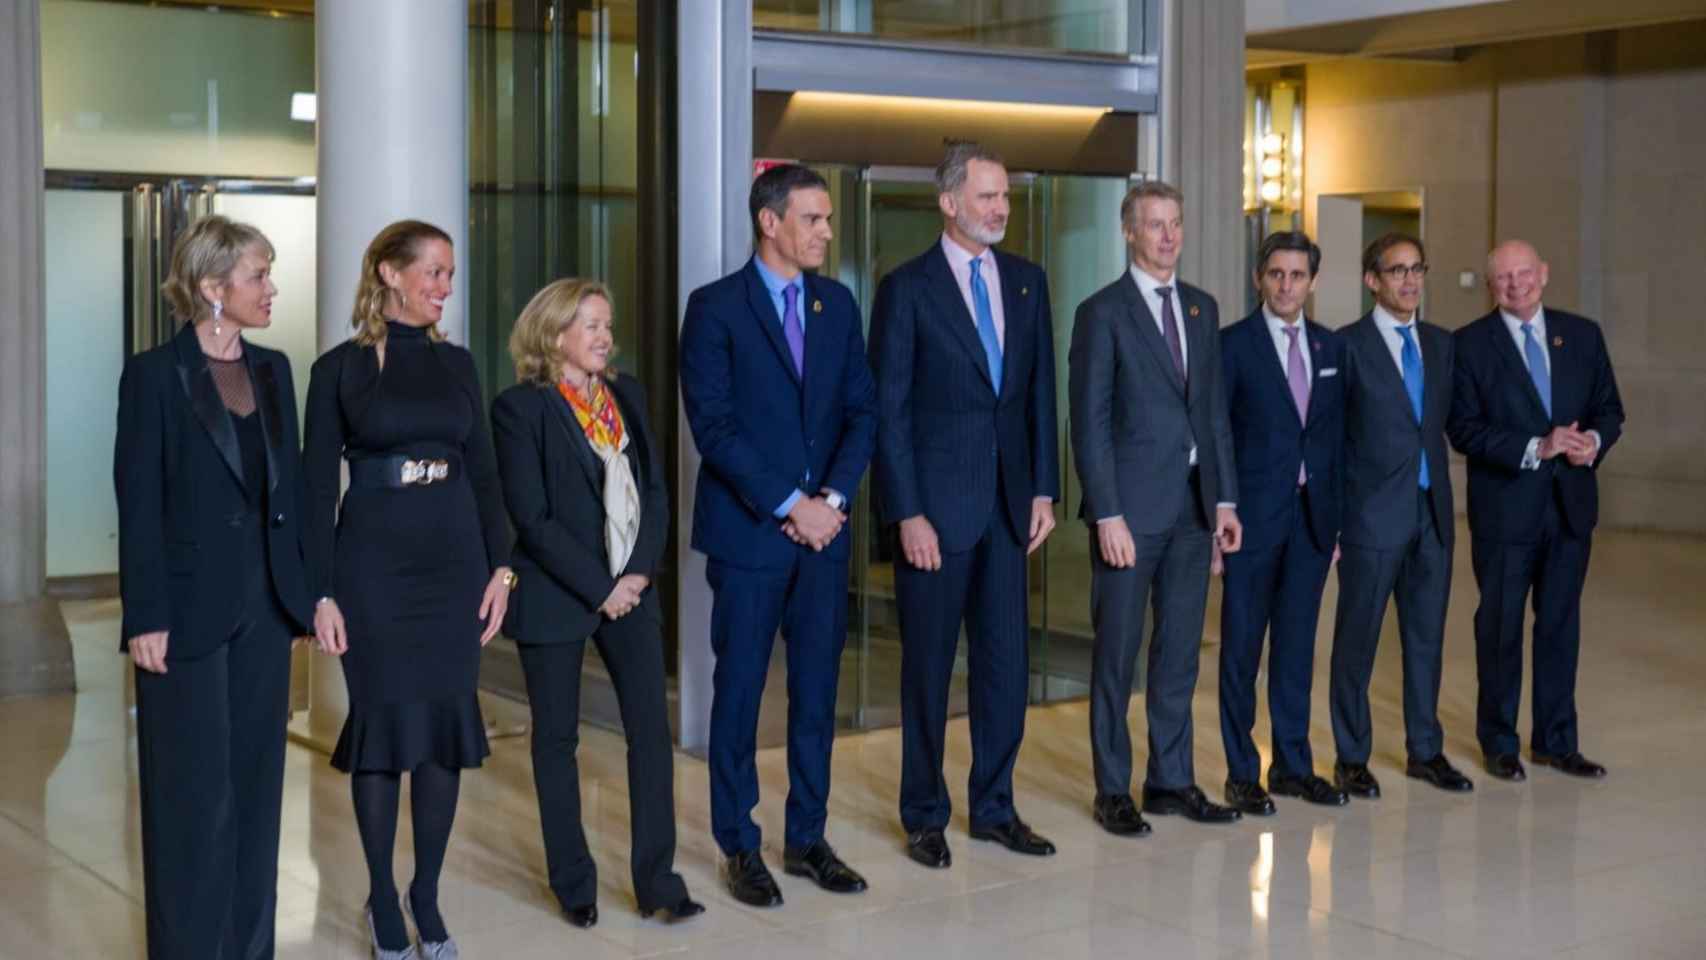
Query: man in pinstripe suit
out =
(963, 347)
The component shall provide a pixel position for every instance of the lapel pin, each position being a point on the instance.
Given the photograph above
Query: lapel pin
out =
(1024, 291)
(1557, 341)
(1315, 346)
(1195, 311)
(817, 306)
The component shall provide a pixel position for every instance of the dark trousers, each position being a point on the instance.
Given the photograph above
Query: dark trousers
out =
(632, 650)
(985, 587)
(1274, 592)
(1171, 575)
(1554, 568)
(808, 603)
(1418, 575)
(210, 757)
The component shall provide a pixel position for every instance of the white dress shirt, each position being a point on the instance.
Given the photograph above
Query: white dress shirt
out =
(1282, 342)
(959, 263)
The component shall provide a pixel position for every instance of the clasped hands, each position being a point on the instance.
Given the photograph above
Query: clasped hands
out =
(813, 523)
(625, 596)
(1577, 446)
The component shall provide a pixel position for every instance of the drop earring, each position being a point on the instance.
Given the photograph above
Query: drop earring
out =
(218, 309)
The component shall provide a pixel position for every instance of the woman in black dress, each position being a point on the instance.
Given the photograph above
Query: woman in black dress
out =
(414, 576)
(210, 570)
(585, 487)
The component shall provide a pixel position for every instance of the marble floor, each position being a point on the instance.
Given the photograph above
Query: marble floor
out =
(1550, 868)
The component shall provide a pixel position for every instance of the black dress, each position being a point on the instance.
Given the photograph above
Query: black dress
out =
(407, 564)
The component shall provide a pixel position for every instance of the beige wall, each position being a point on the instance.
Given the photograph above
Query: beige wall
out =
(1590, 147)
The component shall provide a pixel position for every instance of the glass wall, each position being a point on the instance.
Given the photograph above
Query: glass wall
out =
(1076, 26)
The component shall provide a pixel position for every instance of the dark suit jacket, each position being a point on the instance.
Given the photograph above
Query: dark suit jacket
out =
(553, 483)
(1383, 442)
(1269, 439)
(761, 432)
(1495, 411)
(179, 478)
(946, 443)
(1133, 421)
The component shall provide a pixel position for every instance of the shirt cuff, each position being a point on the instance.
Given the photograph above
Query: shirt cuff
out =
(1102, 520)
(1229, 506)
(1531, 455)
(1597, 442)
(781, 512)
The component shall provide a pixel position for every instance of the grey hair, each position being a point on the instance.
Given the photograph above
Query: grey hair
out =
(951, 172)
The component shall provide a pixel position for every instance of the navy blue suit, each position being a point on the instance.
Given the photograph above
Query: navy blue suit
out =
(971, 461)
(763, 433)
(1274, 582)
(1530, 529)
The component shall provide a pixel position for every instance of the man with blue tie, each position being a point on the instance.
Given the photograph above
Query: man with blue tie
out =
(1285, 398)
(1398, 523)
(967, 469)
(1535, 409)
(780, 401)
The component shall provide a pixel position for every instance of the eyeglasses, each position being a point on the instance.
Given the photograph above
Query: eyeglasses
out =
(1401, 271)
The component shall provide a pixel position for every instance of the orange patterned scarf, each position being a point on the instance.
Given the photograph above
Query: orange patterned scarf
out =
(598, 416)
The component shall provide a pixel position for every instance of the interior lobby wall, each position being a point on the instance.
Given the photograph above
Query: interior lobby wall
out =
(1589, 147)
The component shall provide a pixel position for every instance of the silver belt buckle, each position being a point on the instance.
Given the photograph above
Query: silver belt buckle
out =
(423, 472)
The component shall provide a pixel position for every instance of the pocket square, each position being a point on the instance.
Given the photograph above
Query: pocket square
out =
(1329, 372)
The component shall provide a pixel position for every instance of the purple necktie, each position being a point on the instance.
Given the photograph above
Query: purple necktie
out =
(1170, 330)
(1298, 377)
(792, 328)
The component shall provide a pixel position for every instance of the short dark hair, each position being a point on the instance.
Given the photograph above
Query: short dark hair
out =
(1372, 253)
(1288, 240)
(1157, 189)
(770, 191)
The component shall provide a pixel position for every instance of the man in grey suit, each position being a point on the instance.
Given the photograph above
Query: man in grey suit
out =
(1398, 531)
(1154, 454)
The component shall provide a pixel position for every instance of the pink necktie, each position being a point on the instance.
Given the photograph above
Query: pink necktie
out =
(1298, 378)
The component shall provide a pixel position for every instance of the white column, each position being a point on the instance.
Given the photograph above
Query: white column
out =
(35, 650)
(391, 80)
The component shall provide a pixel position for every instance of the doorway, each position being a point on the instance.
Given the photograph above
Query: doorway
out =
(1344, 224)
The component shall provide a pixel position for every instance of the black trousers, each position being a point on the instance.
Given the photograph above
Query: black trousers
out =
(1171, 576)
(1554, 568)
(632, 649)
(210, 738)
(984, 587)
(1418, 576)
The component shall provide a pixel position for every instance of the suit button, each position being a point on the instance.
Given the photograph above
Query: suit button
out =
(277, 520)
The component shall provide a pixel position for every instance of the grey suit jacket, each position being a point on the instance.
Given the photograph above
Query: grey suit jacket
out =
(1134, 422)
(1384, 443)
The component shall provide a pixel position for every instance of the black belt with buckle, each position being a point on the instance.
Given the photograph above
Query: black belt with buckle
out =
(402, 471)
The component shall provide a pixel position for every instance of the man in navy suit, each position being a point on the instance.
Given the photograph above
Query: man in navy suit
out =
(967, 468)
(1535, 408)
(1398, 523)
(1285, 398)
(779, 397)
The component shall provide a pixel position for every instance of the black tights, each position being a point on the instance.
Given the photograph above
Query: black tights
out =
(432, 794)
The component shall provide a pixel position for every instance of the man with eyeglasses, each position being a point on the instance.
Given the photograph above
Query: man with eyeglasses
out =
(1398, 531)
(1535, 408)
(1285, 399)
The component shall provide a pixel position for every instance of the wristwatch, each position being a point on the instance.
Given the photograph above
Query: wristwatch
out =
(834, 499)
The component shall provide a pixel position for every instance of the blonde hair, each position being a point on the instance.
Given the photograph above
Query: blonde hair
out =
(398, 245)
(533, 342)
(208, 250)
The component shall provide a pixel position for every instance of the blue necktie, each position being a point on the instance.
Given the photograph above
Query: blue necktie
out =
(986, 323)
(1411, 358)
(1536, 357)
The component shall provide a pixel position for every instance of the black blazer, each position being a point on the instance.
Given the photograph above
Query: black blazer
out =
(1383, 442)
(1133, 421)
(1495, 411)
(553, 483)
(945, 442)
(181, 503)
(1270, 440)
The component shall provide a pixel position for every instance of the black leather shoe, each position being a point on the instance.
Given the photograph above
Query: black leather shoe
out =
(1312, 789)
(582, 916)
(1357, 780)
(930, 848)
(1190, 801)
(820, 863)
(1016, 836)
(1249, 798)
(750, 881)
(1573, 764)
(1506, 766)
(1118, 815)
(1439, 772)
(688, 907)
